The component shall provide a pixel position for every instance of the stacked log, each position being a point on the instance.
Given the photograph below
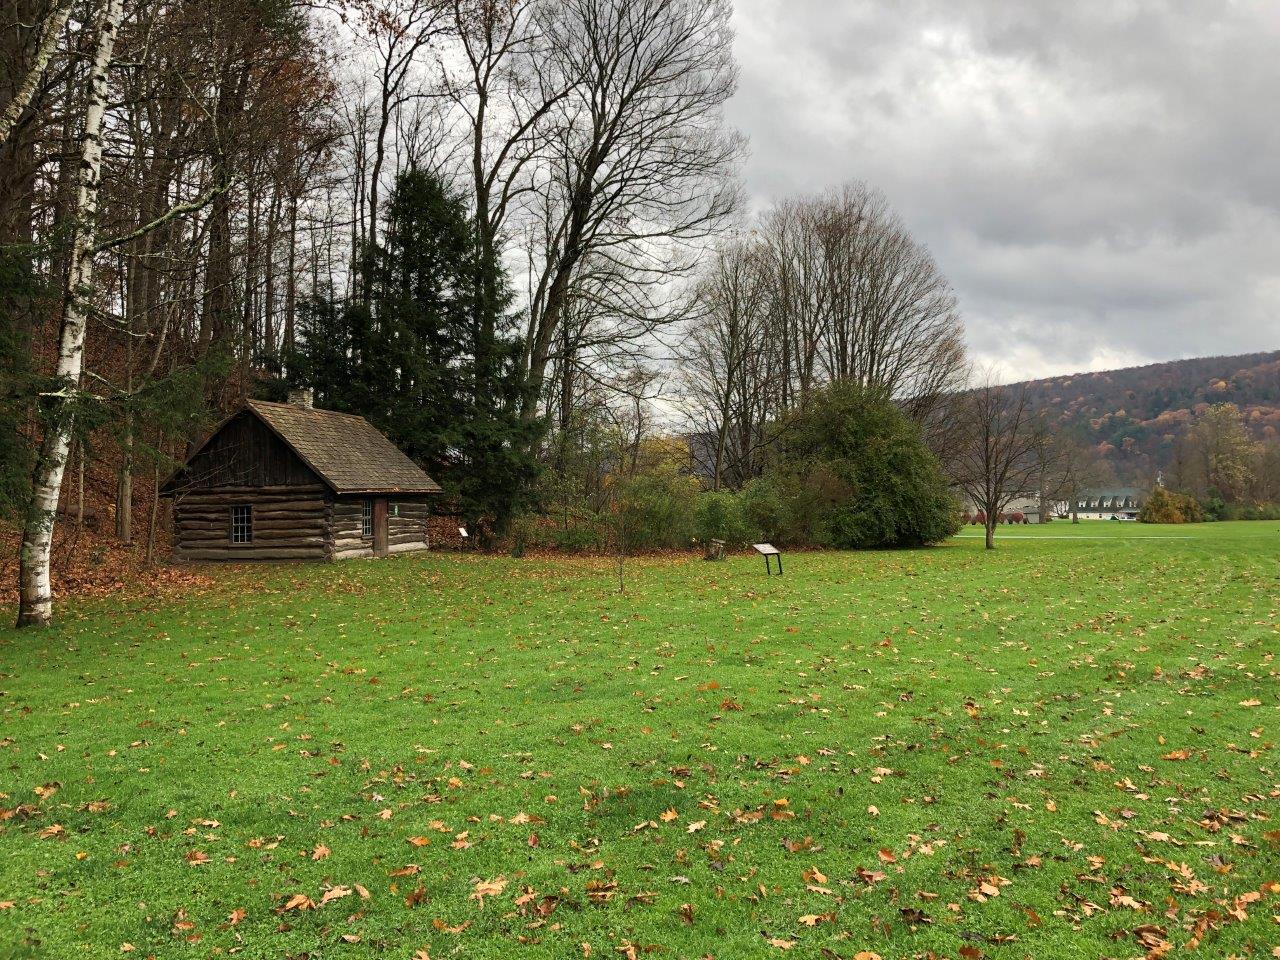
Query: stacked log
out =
(408, 526)
(345, 531)
(289, 523)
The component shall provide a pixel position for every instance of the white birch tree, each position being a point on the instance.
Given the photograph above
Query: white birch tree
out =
(53, 26)
(36, 589)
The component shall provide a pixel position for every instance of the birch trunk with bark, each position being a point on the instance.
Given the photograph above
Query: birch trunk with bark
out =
(35, 587)
(26, 90)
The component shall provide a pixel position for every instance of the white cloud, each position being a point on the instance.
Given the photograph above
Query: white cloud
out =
(1100, 180)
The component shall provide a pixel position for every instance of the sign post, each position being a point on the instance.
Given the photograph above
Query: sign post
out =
(768, 550)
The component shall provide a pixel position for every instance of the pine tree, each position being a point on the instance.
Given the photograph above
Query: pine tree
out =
(428, 353)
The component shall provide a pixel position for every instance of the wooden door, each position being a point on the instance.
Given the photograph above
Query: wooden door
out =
(380, 528)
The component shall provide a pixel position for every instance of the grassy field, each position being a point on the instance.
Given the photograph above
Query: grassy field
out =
(1065, 749)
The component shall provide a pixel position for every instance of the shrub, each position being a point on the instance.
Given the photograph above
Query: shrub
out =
(1214, 507)
(1254, 511)
(861, 475)
(531, 531)
(718, 516)
(654, 510)
(1165, 506)
(578, 538)
(762, 503)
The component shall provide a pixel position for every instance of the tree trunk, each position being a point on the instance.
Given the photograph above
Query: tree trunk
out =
(155, 510)
(35, 588)
(291, 282)
(991, 533)
(124, 484)
(26, 90)
(80, 487)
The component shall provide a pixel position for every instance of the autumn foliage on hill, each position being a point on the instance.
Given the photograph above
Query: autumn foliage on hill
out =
(1134, 417)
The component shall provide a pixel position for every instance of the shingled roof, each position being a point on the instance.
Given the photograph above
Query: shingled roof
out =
(344, 450)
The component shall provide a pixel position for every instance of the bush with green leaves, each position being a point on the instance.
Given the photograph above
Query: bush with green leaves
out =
(579, 537)
(719, 516)
(857, 474)
(1252, 511)
(653, 510)
(763, 504)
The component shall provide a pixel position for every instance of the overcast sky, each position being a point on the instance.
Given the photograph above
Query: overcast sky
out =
(1099, 179)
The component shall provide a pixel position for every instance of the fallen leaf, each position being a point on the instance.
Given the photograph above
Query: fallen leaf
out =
(488, 888)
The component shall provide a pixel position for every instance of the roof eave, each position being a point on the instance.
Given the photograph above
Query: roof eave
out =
(387, 491)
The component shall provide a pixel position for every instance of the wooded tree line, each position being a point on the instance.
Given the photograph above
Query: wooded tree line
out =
(184, 182)
(502, 230)
(1219, 464)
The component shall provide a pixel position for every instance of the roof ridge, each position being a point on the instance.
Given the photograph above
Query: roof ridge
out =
(294, 406)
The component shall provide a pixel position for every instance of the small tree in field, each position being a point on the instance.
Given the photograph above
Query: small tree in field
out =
(999, 452)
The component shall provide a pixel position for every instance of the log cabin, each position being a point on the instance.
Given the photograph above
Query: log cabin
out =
(285, 481)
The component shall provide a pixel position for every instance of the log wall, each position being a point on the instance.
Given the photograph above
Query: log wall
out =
(406, 528)
(345, 541)
(289, 523)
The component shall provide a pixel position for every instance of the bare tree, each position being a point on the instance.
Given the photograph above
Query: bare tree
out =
(636, 164)
(398, 31)
(724, 364)
(997, 459)
(505, 98)
(1066, 467)
(837, 292)
(858, 300)
(51, 26)
(630, 416)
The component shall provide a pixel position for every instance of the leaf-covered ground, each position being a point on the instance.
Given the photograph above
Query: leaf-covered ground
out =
(1062, 750)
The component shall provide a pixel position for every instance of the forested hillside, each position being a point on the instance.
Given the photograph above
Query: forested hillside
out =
(1136, 415)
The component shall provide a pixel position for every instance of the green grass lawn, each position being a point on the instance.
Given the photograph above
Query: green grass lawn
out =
(1065, 749)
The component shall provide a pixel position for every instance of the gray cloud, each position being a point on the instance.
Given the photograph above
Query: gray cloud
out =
(1099, 179)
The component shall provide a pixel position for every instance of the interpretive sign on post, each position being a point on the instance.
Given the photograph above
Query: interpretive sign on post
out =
(768, 550)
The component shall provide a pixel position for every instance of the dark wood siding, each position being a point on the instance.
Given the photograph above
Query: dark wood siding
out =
(345, 539)
(406, 527)
(244, 453)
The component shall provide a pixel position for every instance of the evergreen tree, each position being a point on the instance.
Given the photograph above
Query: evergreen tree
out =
(19, 287)
(428, 353)
(859, 474)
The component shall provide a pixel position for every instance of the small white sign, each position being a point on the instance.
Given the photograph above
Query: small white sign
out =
(767, 549)
(462, 531)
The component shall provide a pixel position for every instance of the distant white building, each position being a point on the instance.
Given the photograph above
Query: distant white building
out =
(1123, 503)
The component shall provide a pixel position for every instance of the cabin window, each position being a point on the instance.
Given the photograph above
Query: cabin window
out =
(366, 519)
(242, 524)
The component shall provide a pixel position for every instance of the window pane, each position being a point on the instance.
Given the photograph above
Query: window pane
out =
(242, 524)
(366, 519)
